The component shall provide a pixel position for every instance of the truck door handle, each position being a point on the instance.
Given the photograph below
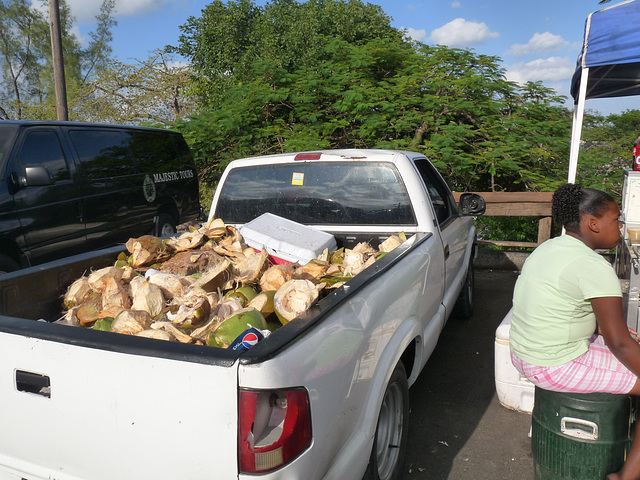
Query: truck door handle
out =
(33, 383)
(446, 252)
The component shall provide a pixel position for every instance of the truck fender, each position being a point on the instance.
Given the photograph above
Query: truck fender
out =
(354, 455)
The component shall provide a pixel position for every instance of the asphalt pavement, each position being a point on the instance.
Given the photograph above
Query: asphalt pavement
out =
(458, 430)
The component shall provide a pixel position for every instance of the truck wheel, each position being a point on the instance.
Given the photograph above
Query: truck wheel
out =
(390, 441)
(463, 308)
(8, 264)
(165, 226)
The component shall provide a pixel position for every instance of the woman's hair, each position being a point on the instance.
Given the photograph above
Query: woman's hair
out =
(571, 201)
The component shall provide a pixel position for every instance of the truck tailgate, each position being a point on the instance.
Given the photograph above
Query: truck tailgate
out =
(112, 414)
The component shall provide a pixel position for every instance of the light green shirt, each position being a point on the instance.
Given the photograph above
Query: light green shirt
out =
(552, 315)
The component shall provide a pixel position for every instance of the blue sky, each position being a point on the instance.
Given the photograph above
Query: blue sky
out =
(536, 40)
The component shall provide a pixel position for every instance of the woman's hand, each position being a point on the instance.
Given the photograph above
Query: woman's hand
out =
(613, 327)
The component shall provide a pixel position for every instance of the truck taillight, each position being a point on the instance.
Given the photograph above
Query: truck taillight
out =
(274, 427)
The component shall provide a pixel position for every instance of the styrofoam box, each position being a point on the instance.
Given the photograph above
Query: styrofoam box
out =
(514, 391)
(286, 240)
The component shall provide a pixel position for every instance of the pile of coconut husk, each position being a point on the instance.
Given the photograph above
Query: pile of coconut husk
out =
(206, 286)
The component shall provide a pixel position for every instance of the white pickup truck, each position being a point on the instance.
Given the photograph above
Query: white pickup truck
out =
(326, 396)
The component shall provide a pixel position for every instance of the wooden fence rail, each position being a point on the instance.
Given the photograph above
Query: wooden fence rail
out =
(519, 204)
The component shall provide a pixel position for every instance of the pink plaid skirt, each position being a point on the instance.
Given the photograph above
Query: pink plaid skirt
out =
(597, 370)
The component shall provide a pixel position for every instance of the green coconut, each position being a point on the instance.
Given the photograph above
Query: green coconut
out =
(229, 330)
(244, 294)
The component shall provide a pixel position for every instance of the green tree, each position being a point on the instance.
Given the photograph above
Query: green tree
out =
(223, 44)
(27, 89)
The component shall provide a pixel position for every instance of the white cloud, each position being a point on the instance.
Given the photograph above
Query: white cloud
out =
(552, 69)
(456, 4)
(462, 33)
(540, 42)
(414, 34)
(86, 10)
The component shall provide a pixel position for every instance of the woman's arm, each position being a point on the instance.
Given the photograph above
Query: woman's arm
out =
(613, 327)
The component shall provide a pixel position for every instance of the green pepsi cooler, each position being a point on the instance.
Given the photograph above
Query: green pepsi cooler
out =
(580, 436)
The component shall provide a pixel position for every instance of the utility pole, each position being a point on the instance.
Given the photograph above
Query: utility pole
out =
(58, 62)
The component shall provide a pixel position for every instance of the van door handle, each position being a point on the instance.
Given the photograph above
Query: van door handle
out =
(33, 383)
(446, 252)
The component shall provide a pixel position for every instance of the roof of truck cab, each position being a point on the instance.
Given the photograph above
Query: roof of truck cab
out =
(329, 155)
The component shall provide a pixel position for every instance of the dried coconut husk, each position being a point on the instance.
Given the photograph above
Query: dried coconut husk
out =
(190, 262)
(170, 284)
(89, 311)
(392, 242)
(130, 322)
(70, 318)
(114, 294)
(155, 334)
(111, 311)
(134, 284)
(186, 241)
(366, 250)
(335, 269)
(214, 229)
(353, 262)
(251, 269)
(193, 316)
(218, 277)
(276, 276)
(202, 333)
(77, 293)
(173, 331)
(226, 308)
(146, 250)
(99, 278)
(128, 273)
(148, 297)
(312, 271)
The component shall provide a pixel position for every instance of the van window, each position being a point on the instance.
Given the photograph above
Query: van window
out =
(153, 152)
(102, 153)
(42, 148)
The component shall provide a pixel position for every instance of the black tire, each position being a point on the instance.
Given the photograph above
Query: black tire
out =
(165, 226)
(463, 308)
(8, 264)
(390, 442)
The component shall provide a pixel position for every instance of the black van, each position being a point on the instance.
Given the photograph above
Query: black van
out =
(67, 188)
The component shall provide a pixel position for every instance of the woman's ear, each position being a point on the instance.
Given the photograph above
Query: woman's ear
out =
(593, 223)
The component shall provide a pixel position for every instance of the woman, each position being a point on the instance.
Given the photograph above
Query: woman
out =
(568, 331)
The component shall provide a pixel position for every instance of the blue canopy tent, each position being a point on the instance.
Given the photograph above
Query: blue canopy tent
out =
(608, 65)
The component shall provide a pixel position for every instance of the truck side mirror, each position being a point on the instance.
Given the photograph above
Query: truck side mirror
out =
(35, 177)
(472, 204)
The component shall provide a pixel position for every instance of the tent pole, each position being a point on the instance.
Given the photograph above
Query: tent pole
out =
(576, 130)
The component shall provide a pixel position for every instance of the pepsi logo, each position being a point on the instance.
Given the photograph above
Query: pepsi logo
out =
(249, 340)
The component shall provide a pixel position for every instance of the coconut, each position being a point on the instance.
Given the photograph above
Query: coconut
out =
(216, 277)
(98, 279)
(89, 311)
(131, 322)
(170, 284)
(194, 316)
(227, 307)
(294, 298)
(114, 294)
(244, 294)
(173, 331)
(146, 250)
(229, 330)
(186, 241)
(312, 271)
(77, 293)
(263, 302)
(148, 297)
(214, 229)
(392, 242)
(111, 311)
(134, 284)
(276, 276)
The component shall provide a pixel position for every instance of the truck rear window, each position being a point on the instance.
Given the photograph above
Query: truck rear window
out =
(337, 193)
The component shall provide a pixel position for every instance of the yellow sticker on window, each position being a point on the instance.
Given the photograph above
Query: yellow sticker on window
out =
(297, 179)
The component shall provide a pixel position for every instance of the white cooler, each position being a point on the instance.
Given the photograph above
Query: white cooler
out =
(514, 391)
(286, 241)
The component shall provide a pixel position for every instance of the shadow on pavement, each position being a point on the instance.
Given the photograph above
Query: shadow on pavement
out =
(457, 428)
